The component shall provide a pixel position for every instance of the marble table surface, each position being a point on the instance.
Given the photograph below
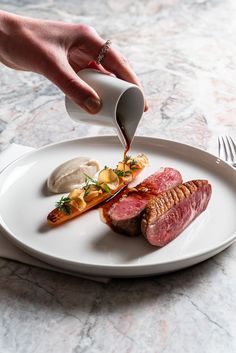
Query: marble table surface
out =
(184, 52)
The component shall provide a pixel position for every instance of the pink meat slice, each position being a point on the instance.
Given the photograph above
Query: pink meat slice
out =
(162, 180)
(169, 213)
(125, 215)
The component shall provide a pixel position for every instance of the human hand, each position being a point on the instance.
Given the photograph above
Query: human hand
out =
(58, 50)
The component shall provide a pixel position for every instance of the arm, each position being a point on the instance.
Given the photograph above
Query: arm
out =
(58, 50)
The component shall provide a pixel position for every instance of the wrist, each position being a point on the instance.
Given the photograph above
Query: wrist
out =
(8, 25)
(9, 28)
(5, 23)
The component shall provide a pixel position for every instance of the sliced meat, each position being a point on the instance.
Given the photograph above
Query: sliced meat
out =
(162, 180)
(169, 213)
(125, 214)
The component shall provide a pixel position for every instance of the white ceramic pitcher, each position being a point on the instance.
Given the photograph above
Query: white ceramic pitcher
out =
(122, 104)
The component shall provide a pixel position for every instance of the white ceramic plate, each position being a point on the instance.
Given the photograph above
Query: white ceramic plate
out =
(88, 246)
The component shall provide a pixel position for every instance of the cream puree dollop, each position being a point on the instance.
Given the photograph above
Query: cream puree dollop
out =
(71, 174)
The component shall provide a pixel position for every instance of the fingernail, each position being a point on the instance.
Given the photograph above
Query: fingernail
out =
(92, 105)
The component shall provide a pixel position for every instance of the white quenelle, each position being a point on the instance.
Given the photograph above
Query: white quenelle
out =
(71, 174)
(122, 104)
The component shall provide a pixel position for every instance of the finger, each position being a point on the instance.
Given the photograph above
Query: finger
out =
(81, 58)
(87, 47)
(76, 89)
(94, 65)
(91, 65)
(88, 50)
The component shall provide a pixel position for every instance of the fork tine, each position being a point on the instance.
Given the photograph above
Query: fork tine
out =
(233, 144)
(219, 147)
(230, 148)
(225, 149)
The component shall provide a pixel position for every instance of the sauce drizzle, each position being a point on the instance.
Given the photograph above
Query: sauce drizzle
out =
(127, 146)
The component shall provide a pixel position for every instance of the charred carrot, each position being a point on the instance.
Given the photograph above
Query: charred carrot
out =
(110, 182)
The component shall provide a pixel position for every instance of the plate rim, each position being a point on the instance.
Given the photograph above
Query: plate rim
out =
(194, 255)
(30, 250)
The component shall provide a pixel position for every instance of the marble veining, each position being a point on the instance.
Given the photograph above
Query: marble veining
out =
(184, 53)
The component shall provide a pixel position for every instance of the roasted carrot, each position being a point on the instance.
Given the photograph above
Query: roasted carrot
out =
(68, 208)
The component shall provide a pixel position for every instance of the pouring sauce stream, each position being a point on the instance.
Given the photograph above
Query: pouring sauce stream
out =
(127, 146)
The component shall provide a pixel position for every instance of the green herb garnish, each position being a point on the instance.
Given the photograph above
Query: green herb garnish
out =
(133, 163)
(63, 205)
(90, 181)
(122, 173)
(126, 158)
(106, 188)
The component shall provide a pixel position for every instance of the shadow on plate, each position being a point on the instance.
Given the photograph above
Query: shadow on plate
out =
(44, 190)
(122, 247)
(44, 228)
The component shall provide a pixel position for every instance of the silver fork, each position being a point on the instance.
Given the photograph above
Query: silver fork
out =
(227, 150)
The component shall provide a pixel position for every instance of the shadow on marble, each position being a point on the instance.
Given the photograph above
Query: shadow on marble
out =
(55, 290)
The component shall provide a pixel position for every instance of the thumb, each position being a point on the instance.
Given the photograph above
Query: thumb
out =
(76, 89)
